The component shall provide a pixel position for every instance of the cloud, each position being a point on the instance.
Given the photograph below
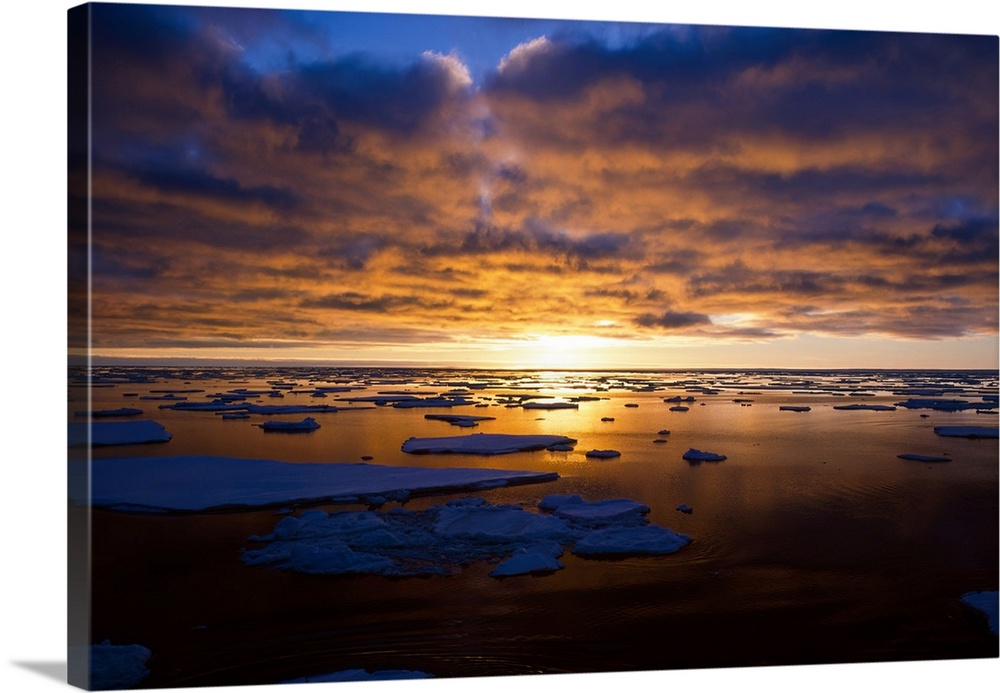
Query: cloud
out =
(672, 320)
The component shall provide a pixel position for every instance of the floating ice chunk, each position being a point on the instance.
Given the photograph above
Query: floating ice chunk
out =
(433, 402)
(603, 512)
(231, 415)
(118, 433)
(685, 508)
(362, 675)
(484, 444)
(651, 539)
(527, 562)
(868, 407)
(607, 418)
(663, 432)
(678, 398)
(678, 408)
(943, 404)
(498, 523)
(550, 405)
(114, 667)
(987, 602)
(632, 405)
(693, 455)
(121, 411)
(788, 407)
(560, 447)
(304, 426)
(202, 483)
(459, 419)
(923, 458)
(966, 431)
(603, 454)
(659, 440)
(289, 408)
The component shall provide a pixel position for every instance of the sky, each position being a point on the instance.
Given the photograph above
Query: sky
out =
(507, 192)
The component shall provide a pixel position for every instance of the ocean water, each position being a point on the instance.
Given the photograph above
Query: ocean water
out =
(811, 543)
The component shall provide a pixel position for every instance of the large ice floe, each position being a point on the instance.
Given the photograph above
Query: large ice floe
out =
(986, 602)
(693, 455)
(445, 538)
(114, 667)
(198, 483)
(117, 433)
(484, 444)
(966, 431)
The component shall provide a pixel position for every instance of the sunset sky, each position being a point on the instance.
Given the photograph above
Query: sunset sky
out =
(452, 191)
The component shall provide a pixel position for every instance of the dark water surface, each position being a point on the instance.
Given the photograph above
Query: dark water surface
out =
(812, 542)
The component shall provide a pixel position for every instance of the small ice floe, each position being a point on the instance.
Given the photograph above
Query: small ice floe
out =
(789, 407)
(459, 420)
(923, 458)
(290, 408)
(865, 407)
(484, 444)
(550, 405)
(986, 602)
(196, 483)
(166, 397)
(678, 408)
(742, 400)
(115, 667)
(685, 508)
(362, 675)
(678, 398)
(594, 513)
(118, 433)
(101, 413)
(966, 431)
(559, 447)
(659, 440)
(233, 415)
(304, 426)
(663, 432)
(607, 418)
(433, 402)
(693, 455)
(632, 405)
(651, 539)
(603, 454)
(530, 561)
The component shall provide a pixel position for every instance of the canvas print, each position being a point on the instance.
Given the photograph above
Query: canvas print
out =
(420, 346)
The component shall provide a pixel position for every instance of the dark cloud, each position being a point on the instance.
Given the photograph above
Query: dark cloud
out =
(673, 320)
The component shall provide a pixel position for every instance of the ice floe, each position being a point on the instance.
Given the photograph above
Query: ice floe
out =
(986, 602)
(550, 405)
(484, 444)
(115, 667)
(445, 538)
(693, 455)
(196, 483)
(685, 508)
(304, 426)
(603, 454)
(362, 675)
(865, 407)
(118, 433)
(788, 407)
(966, 431)
(121, 411)
(944, 404)
(463, 421)
(923, 458)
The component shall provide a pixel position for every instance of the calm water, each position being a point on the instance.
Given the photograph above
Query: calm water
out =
(811, 543)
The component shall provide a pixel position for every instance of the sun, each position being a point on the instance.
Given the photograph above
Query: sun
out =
(566, 351)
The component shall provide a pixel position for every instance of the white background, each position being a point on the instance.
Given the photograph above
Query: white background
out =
(33, 256)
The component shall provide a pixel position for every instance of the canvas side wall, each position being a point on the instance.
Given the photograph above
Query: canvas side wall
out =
(78, 309)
